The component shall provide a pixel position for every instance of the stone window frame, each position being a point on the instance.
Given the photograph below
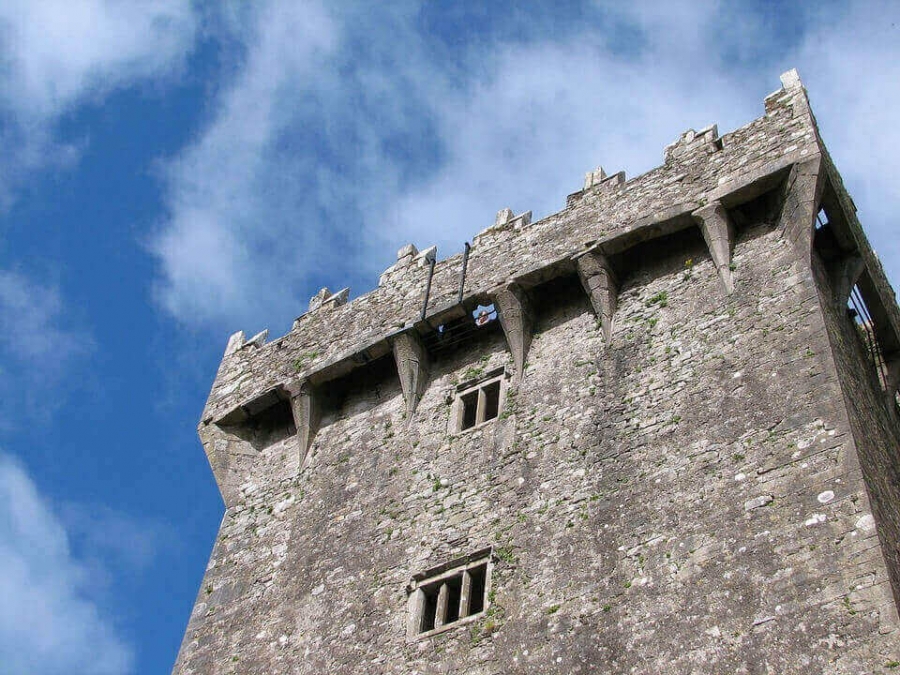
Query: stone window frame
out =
(457, 408)
(441, 574)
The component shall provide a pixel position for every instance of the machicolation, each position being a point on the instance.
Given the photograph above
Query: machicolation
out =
(655, 432)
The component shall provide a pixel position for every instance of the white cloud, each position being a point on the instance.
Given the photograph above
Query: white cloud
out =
(545, 116)
(59, 51)
(30, 314)
(49, 624)
(56, 54)
(850, 63)
(110, 537)
(312, 175)
(223, 189)
(38, 345)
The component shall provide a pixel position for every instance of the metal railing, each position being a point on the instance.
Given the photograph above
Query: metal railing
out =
(450, 335)
(866, 329)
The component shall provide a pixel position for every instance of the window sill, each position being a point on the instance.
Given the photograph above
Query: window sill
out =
(450, 626)
(480, 425)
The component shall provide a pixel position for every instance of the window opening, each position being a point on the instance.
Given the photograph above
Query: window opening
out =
(454, 596)
(450, 596)
(491, 400)
(865, 327)
(429, 608)
(470, 409)
(821, 219)
(479, 404)
(478, 576)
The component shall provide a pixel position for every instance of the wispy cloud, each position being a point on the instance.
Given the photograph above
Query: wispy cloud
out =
(30, 314)
(327, 151)
(234, 193)
(50, 623)
(109, 537)
(39, 343)
(57, 54)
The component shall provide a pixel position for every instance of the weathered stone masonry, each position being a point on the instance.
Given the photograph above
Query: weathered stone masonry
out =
(694, 467)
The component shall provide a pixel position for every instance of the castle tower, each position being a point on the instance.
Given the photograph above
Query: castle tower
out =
(656, 432)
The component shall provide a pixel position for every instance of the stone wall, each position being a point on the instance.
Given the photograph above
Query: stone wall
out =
(873, 418)
(688, 491)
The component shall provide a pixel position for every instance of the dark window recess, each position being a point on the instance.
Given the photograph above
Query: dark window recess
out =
(479, 582)
(454, 593)
(491, 400)
(264, 421)
(470, 409)
(453, 598)
(429, 608)
(479, 405)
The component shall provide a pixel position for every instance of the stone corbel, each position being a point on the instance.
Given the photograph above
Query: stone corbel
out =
(413, 368)
(306, 409)
(844, 277)
(893, 374)
(517, 322)
(718, 231)
(800, 204)
(602, 287)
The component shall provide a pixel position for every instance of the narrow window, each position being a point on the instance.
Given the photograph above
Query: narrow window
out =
(454, 591)
(449, 594)
(478, 577)
(429, 608)
(491, 400)
(470, 409)
(479, 402)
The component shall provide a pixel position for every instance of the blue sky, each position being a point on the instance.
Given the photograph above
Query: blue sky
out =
(175, 171)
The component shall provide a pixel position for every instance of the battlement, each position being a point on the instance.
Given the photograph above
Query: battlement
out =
(609, 213)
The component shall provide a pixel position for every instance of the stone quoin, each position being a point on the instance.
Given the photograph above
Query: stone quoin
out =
(655, 432)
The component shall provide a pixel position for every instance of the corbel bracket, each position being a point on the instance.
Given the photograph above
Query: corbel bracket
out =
(601, 285)
(718, 231)
(893, 374)
(412, 367)
(800, 203)
(306, 409)
(516, 319)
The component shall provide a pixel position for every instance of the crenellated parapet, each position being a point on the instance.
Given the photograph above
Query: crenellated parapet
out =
(703, 179)
(409, 260)
(692, 143)
(598, 180)
(505, 222)
(750, 160)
